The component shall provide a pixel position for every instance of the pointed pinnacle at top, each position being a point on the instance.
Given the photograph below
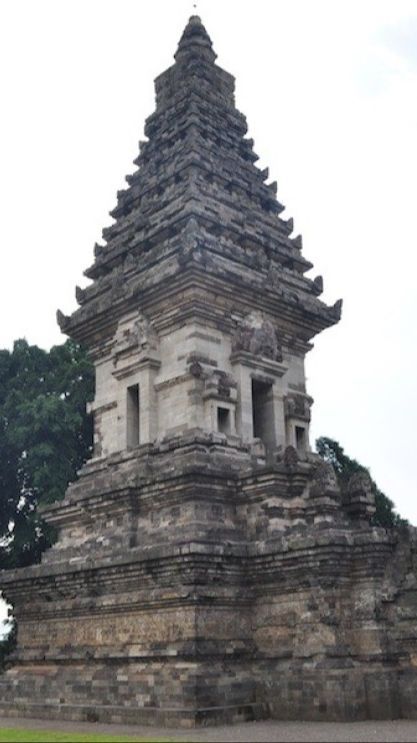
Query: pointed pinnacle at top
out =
(195, 41)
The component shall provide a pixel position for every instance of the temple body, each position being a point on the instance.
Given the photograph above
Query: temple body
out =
(208, 568)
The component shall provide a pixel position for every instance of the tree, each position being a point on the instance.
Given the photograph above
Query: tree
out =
(45, 436)
(8, 641)
(345, 467)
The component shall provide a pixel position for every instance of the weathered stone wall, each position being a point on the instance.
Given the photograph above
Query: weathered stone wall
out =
(230, 599)
(186, 375)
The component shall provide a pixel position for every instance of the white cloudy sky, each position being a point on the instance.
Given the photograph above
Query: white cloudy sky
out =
(329, 89)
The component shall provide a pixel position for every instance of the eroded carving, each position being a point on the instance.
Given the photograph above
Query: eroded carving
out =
(139, 335)
(221, 385)
(257, 336)
(291, 457)
(360, 484)
(324, 481)
(298, 406)
(359, 496)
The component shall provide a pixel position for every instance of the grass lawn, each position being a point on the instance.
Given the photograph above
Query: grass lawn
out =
(21, 735)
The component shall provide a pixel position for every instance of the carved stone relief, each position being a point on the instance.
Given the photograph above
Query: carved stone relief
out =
(324, 481)
(298, 406)
(359, 497)
(138, 335)
(258, 336)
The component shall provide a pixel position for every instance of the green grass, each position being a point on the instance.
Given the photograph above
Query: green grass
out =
(21, 735)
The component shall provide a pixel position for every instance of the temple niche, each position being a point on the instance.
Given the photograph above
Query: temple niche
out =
(208, 568)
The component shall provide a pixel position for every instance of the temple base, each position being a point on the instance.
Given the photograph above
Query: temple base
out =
(264, 598)
(328, 696)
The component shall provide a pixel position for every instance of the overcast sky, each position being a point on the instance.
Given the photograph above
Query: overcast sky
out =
(329, 89)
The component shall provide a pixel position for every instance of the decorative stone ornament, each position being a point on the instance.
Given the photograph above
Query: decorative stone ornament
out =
(257, 336)
(359, 498)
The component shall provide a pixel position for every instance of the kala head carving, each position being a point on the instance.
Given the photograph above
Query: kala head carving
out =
(257, 336)
(137, 335)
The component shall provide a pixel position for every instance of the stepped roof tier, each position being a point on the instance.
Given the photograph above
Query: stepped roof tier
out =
(198, 206)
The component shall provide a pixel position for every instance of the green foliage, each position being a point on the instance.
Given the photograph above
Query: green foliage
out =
(22, 735)
(8, 644)
(345, 467)
(45, 436)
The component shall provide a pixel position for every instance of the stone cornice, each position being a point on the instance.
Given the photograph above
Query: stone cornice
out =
(238, 288)
(136, 366)
(257, 364)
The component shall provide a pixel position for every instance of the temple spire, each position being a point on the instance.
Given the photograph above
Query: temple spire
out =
(195, 41)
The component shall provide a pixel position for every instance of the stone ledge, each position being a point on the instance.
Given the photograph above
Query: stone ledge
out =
(152, 716)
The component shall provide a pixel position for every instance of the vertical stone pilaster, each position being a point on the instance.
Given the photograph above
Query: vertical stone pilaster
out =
(244, 409)
(279, 414)
(148, 412)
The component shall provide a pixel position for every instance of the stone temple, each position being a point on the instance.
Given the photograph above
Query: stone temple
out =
(208, 568)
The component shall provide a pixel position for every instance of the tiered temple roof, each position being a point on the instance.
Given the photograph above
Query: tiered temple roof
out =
(198, 201)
